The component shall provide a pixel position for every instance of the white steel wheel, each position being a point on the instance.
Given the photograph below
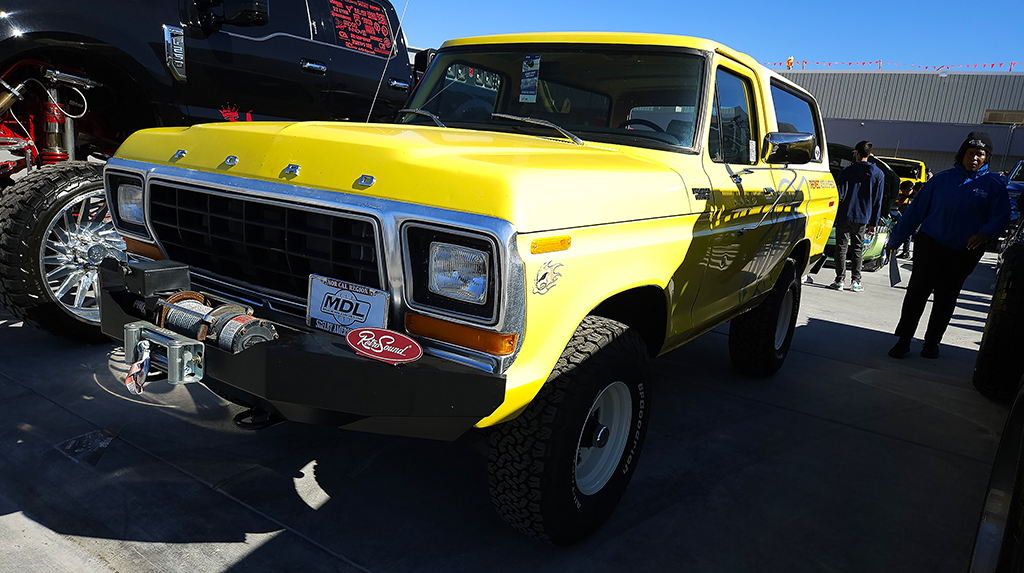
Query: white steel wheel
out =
(785, 319)
(603, 438)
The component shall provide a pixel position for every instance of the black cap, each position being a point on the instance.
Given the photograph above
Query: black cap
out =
(978, 139)
(975, 139)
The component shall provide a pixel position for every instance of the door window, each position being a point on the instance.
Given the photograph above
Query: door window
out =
(732, 138)
(795, 114)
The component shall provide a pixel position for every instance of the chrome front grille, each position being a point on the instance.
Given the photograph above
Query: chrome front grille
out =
(269, 245)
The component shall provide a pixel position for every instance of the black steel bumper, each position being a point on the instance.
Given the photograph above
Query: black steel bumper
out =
(316, 378)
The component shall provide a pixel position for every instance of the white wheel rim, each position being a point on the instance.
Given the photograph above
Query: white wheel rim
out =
(785, 318)
(82, 226)
(613, 411)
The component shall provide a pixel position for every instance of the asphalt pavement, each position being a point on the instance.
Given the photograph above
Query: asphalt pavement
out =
(845, 460)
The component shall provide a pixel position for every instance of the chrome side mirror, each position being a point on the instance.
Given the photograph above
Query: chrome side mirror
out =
(793, 148)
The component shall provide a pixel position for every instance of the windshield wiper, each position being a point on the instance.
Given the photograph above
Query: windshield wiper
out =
(424, 113)
(545, 123)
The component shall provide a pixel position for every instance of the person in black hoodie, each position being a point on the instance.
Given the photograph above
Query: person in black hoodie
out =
(860, 204)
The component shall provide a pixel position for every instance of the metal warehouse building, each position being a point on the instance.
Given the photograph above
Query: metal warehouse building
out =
(921, 115)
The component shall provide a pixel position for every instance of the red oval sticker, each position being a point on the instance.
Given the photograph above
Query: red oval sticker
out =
(384, 345)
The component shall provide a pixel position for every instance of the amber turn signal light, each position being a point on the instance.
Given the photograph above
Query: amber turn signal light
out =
(144, 249)
(551, 244)
(496, 343)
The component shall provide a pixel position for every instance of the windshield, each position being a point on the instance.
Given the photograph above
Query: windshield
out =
(638, 96)
(903, 168)
(1018, 173)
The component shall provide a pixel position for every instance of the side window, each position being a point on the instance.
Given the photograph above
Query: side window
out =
(360, 25)
(794, 113)
(732, 138)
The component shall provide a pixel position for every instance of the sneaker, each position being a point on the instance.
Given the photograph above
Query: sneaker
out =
(930, 350)
(836, 284)
(903, 255)
(856, 287)
(901, 348)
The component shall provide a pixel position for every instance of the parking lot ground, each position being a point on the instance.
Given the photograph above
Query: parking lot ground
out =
(845, 460)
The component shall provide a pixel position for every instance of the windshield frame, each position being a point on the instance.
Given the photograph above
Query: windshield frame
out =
(1017, 175)
(453, 54)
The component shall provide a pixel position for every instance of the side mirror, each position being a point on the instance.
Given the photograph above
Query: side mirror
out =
(247, 12)
(422, 61)
(793, 148)
(233, 12)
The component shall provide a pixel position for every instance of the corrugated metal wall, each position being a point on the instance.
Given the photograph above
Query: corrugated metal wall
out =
(912, 96)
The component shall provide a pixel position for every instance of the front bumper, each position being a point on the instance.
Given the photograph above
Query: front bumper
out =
(316, 378)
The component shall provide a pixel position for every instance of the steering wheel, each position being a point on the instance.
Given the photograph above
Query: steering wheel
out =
(644, 122)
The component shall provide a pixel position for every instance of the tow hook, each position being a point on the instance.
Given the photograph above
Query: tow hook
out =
(256, 419)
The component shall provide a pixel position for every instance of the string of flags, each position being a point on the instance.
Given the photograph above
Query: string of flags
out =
(790, 63)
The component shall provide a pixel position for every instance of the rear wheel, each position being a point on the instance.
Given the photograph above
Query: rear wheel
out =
(999, 366)
(759, 339)
(559, 469)
(55, 229)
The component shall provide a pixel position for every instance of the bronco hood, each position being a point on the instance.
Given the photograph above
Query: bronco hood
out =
(534, 182)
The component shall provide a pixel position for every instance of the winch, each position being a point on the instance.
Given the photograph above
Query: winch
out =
(183, 323)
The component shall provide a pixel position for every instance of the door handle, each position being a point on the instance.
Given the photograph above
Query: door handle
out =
(398, 84)
(312, 66)
(738, 176)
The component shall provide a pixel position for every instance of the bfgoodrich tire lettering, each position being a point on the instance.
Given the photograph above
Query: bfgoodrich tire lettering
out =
(538, 461)
(45, 237)
(759, 339)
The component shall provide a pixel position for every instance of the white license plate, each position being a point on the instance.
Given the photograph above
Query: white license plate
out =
(339, 306)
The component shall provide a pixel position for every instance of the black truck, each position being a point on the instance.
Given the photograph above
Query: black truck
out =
(76, 78)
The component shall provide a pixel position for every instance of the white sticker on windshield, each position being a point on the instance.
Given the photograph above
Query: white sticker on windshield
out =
(528, 85)
(753, 151)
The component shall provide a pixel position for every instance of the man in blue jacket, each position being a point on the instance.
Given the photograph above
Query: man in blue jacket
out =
(860, 204)
(958, 211)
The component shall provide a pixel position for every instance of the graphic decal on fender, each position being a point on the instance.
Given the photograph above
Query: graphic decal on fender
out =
(339, 306)
(384, 345)
(547, 276)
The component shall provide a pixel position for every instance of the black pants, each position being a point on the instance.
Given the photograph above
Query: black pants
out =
(849, 235)
(942, 271)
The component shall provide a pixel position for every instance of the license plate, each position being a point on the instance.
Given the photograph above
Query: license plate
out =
(339, 306)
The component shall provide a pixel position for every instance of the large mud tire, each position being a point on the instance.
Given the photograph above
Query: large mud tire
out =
(44, 280)
(759, 339)
(559, 469)
(999, 365)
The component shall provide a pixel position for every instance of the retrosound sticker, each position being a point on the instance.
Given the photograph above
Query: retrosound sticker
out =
(338, 306)
(384, 345)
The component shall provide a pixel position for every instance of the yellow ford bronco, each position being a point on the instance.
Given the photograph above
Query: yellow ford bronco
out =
(548, 213)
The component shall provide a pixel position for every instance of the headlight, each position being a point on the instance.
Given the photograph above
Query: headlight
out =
(458, 272)
(452, 272)
(129, 203)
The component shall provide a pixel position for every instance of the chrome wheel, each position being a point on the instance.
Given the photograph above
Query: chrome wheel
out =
(603, 438)
(76, 241)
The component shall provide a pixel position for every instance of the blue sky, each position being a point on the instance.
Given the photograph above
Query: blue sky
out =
(930, 34)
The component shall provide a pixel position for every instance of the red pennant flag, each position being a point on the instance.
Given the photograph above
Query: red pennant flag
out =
(1000, 64)
(830, 64)
(983, 65)
(975, 66)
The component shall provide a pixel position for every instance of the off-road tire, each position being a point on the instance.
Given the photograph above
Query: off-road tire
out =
(999, 366)
(533, 458)
(26, 209)
(759, 339)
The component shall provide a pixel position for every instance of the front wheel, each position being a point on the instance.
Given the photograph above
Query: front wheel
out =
(759, 339)
(55, 229)
(559, 469)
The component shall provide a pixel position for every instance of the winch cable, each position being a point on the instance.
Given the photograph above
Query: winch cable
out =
(387, 61)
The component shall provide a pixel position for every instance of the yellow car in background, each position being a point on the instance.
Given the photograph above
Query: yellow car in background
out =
(907, 169)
